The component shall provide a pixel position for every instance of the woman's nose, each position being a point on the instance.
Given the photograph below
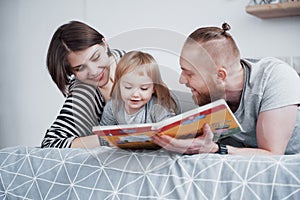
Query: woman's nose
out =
(93, 69)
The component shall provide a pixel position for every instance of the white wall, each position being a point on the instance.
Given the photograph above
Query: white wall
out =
(29, 99)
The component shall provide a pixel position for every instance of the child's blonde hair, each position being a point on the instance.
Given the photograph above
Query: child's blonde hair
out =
(142, 62)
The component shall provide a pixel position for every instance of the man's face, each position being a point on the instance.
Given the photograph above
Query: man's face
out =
(199, 73)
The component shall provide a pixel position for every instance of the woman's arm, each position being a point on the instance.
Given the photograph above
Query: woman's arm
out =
(81, 111)
(91, 141)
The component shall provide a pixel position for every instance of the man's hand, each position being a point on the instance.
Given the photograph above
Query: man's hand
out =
(201, 144)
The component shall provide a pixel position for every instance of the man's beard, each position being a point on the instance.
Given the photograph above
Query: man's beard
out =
(202, 100)
(208, 97)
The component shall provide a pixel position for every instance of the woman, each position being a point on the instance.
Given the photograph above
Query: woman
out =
(82, 66)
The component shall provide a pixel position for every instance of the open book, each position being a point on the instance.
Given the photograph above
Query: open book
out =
(186, 125)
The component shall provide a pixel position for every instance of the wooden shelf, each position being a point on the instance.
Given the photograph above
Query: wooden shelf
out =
(274, 10)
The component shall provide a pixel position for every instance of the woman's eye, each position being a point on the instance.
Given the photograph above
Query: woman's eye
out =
(78, 69)
(127, 87)
(96, 58)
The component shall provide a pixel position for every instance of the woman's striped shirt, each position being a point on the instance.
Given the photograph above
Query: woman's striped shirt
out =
(81, 111)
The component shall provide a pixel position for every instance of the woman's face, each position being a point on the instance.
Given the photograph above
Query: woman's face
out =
(91, 65)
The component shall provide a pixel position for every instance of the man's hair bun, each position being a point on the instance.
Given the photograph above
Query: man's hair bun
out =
(226, 27)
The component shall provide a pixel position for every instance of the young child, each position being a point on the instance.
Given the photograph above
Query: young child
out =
(138, 94)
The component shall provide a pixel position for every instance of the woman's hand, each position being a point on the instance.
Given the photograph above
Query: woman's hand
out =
(90, 141)
(201, 144)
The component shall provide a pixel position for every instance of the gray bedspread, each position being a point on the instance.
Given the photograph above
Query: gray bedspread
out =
(109, 173)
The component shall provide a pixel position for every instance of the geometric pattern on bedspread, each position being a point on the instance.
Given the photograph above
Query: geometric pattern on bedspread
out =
(109, 173)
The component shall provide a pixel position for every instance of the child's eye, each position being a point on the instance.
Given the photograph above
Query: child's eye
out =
(144, 88)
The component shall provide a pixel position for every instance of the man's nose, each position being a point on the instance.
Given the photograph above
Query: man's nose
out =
(182, 79)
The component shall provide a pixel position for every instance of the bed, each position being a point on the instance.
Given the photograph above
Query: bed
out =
(111, 173)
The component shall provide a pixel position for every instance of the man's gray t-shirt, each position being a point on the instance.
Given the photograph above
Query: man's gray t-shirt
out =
(269, 84)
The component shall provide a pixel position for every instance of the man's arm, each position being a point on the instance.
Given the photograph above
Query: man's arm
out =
(273, 132)
(274, 129)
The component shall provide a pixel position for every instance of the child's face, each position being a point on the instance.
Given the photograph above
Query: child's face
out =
(136, 91)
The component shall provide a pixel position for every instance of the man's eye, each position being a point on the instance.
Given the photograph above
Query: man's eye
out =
(188, 74)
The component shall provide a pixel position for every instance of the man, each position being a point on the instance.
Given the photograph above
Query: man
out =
(263, 95)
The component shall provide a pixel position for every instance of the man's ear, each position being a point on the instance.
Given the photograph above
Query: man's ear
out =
(222, 73)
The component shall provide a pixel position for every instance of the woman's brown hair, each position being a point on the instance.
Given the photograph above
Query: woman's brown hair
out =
(70, 37)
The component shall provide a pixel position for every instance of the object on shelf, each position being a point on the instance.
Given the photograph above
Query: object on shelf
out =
(268, 9)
